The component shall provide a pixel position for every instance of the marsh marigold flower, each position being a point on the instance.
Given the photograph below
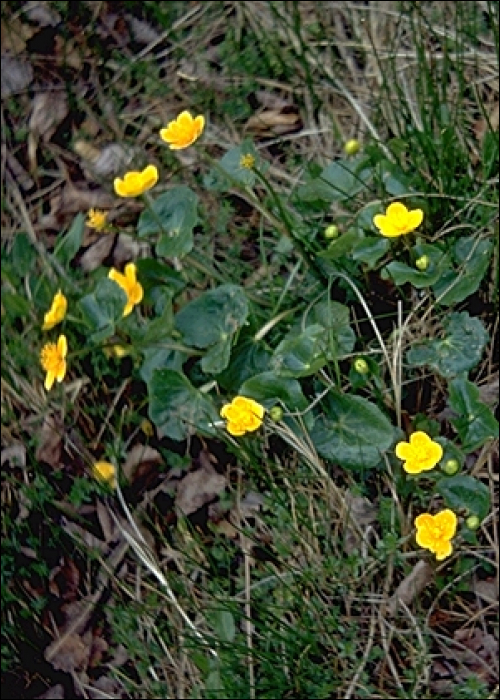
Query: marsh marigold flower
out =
(56, 313)
(434, 532)
(243, 415)
(183, 131)
(53, 361)
(135, 182)
(97, 219)
(420, 454)
(128, 282)
(105, 472)
(398, 220)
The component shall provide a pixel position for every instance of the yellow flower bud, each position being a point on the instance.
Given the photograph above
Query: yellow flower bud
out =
(352, 147)
(331, 231)
(422, 263)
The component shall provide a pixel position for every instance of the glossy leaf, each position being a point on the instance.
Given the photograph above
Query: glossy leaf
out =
(459, 350)
(351, 432)
(473, 421)
(465, 493)
(177, 408)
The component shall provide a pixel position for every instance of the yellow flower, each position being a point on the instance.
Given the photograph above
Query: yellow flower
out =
(398, 220)
(243, 415)
(56, 313)
(247, 161)
(97, 219)
(135, 182)
(420, 454)
(105, 472)
(53, 361)
(183, 131)
(128, 282)
(434, 532)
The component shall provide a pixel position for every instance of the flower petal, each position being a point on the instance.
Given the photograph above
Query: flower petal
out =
(444, 550)
(415, 218)
(446, 520)
(403, 450)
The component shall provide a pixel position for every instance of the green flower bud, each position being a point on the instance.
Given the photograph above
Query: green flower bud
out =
(331, 231)
(276, 413)
(361, 366)
(473, 522)
(422, 263)
(451, 467)
(352, 147)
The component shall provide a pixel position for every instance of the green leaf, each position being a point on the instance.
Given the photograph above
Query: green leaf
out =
(223, 625)
(229, 172)
(351, 432)
(369, 250)
(267, 389)
(474, 422)
(15, 305)
(249, 357)
(217, 358)
(160, 357)
(344, 245)
(154, 273)
(173, 215)
(177, 408)
(103, 308)
(472, 258)
(463, 492)
(458, 351)
(335, 319)
(69, 245)
(339, 181)
(213, 316)
(301, 355)
(23, 255)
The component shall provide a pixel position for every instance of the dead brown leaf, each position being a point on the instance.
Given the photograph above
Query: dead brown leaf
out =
(198, 488)
(50, 441)
(275, 122)
(410, 587)
(69, 653)
(140, 457)
(54, 693)
(48, 111)
(93, 257)
(16, 75)
(361, 513)
(71, 200)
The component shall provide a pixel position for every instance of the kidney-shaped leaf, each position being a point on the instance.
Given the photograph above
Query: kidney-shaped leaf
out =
(103, 308)
(474, 422)
(352, 432)
(458, 351)
(177, 408)
(463, 492)
(213, 316)
(174, 215)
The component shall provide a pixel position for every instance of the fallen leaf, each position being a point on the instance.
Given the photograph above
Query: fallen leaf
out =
(198, 488)
(49, 110)
(50, 441)
(16, 75)
(68, 654)
(106, 162)
(411, 586)
(487, 589)
(139, 456)
(361, 513)
(275, 122)
(95, 254)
